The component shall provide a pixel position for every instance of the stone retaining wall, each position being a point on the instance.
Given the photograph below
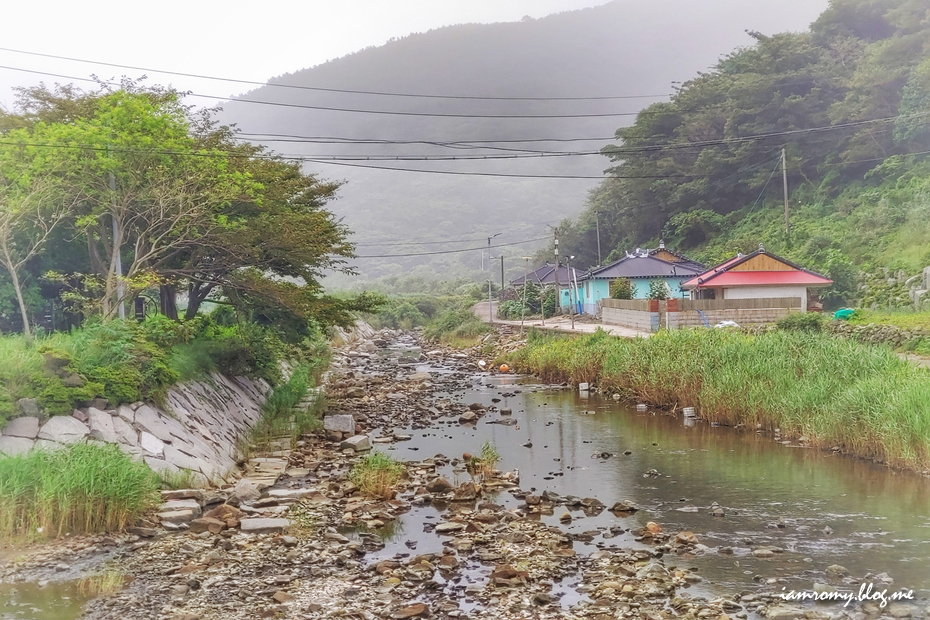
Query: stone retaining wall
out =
(633, 319)
(196, 431)
(743, 316)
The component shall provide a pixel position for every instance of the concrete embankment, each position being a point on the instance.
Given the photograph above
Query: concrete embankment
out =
(195, 432)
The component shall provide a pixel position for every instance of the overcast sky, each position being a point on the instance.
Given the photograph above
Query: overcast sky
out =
(243, 39)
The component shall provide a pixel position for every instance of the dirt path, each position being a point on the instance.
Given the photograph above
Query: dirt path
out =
(558, 323)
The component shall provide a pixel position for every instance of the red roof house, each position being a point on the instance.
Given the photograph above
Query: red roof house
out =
(754, 276)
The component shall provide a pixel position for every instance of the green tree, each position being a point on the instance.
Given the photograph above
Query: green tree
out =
(658, 289)
(622, 288)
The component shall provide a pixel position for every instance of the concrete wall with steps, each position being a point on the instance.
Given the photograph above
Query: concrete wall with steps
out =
(196, 431)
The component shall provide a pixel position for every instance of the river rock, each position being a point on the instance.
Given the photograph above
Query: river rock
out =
(359, 443)
(176, 517)
(101, 426)
(466, 492)
(264, 526)
(836, 571)
(468, 417)
(63, 429)
(14, 446)
(182, 504)
(449, 527)
(207, 524)
(411, 611)
(246, 491)
(783, 612)
(439, 485)
(339, 424)
(420, 376)
(624, 506)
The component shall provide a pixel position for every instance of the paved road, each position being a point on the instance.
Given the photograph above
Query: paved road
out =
(559, 323)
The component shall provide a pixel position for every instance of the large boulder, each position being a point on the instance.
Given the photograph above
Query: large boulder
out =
(27, 427)
(28, 407)
(339, 423)
(64, 429)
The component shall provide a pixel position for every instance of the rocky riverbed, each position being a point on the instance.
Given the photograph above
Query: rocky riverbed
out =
(295, 539)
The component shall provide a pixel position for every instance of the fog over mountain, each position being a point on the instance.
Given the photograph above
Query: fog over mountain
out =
(623, 48)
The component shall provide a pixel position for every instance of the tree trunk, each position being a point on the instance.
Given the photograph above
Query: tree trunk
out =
(195, 298)
(22, 302)
(168, 298)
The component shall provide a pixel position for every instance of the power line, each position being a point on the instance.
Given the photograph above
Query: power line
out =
(349, 110)
(483, 247)
(406, 243)
(332, 90)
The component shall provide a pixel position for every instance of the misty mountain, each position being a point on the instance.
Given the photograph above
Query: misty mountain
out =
(624, 48)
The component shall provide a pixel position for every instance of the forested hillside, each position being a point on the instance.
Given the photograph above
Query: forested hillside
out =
(849, 100)
(625, 47)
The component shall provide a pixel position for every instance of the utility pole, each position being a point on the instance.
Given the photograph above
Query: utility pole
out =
(502, 274)
(571, 305)
(597, 223)
(558, 292)
(490, 301)
(526, 275)
(784, 173)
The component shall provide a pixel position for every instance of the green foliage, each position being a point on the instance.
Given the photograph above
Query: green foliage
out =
(458, 327)
(835, 391)
(802, 321)
(83, 488)
(376, 474)
(658, 289)
(622, 288)
(859, 201)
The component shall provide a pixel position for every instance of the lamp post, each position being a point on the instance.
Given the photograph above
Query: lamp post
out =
(490, 302)
(526, 271)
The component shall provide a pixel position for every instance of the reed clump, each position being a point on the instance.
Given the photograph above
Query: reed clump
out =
(80, 489)
(376, 475)
(835, 392)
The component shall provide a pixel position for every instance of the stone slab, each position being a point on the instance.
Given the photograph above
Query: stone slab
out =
(182, 504)
(126, 413)
(101, 425)
(64, 429)
(264, 526)
(151, 445)
(27, 427)
(359, 443)
(14, 446)
(148, 419)
(339, 423)
(125, 433)
(176, 516)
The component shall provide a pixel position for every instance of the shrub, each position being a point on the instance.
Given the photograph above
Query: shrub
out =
(802, 321)
(622, 288)
(658, 289)
(460, 327)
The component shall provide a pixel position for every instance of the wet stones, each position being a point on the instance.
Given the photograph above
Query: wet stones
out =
(358, 443)
(624, 507)
(439, 485)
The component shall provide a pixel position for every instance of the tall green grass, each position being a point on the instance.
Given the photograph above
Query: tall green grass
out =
(80, 489)
(834, 391)
(458, 327)
(283, 417)
(376, 474)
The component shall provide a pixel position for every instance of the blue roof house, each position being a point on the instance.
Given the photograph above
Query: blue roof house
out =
(641, 267)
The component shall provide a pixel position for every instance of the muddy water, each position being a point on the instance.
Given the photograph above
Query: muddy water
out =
(28, 601)
(819, 508)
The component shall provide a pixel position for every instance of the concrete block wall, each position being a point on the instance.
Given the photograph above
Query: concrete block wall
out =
(632, 319)
(745, 316)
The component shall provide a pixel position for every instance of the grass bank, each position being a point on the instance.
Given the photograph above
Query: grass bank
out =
(833, 391)
(83, 488)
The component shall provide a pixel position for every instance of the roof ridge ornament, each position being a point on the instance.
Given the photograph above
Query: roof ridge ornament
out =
(761, 248)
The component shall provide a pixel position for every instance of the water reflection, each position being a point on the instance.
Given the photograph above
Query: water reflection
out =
(820, 508)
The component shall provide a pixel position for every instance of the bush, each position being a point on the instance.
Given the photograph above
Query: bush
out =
(658, 289)
(459, 327)
(802, 321)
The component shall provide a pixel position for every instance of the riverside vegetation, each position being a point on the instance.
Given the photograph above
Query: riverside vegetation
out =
(832, 392)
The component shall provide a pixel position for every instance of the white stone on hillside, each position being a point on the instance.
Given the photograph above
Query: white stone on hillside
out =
(64, 429)
(27, 427)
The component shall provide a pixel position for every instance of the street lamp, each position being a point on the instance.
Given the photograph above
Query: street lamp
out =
(490, 302)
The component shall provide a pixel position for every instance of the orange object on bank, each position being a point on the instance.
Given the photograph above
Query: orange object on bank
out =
(505, 368)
